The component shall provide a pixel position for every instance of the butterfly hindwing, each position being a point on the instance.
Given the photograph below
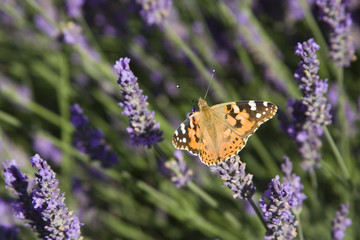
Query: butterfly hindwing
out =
(187, 136)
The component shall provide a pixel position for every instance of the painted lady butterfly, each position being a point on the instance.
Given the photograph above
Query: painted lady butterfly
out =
(216, 133)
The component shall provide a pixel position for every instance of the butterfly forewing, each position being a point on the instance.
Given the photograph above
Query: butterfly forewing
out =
(245, 117)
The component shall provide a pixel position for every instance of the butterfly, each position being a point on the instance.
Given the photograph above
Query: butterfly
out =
(218, 132)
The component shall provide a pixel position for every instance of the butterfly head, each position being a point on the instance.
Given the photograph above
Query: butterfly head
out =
(202, 104)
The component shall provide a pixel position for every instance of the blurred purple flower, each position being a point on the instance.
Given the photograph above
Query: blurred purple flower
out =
(81, 190)
(15, 16)
(8, 229)
(295, 11)
(42, 23)
(295, 183)
(6, 213)
(311, 112)
(233, 174)
(340, 223)
(251, 38)
(73, 36)
(335, 14)
(90, 141)
(46, 148)
(44, 207)
(276, 204)
(350, 114)
(144, 130)
(22, 93)
(155, 11)
(180, 174)
(9, 233)
(74, 7)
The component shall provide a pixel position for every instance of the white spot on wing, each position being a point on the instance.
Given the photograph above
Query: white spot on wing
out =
(258, 115)
(265, 104)
(182, 128)
(184, 140)
(176, 133)
(252, 105)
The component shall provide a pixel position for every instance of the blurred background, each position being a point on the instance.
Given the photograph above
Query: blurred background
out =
(54, 54)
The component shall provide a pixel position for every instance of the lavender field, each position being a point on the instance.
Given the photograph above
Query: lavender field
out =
(94, 94)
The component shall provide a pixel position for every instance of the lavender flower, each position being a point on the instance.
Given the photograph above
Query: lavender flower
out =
(180, 174)
(276, 206)
(233, 174)
(74, 7)
(250, 36)
(9, 233)
(144, 130)
(155, 11)
(335, 14)
(47, 149)
(312, 111)
(42, 23)
(90, 141)
(295, 183)
(340, 223)
(73, 36)
(21, 93)
(44, 207)
(350, 114)
(295, 10)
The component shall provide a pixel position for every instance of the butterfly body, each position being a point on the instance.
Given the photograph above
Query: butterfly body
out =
(218, 132)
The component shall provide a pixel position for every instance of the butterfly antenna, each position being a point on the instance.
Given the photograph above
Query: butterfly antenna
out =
(212, 77)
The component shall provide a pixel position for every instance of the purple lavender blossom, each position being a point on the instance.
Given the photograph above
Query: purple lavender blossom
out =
(335, 14)
(74, 7)
(180, 174)
(350, 114)
(340, 223)
(42, 23)
(250, 36)
(154, 12)
(90, 141)
(311, 112)
(233, 174)
(44, 208)
(276, 204)
(73, 36)
(22, 93)
(295, 10)
(47, 149)
(9, 232)
(295, 183)
(144, 130)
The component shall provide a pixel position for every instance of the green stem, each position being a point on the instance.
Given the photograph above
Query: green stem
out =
(40, 111)
(63, 91)
(5, 117)
(206, 197)
(313, 180)
(258, 213)
(337, 154)
(4, 146)
(344, 144)
(300, 231)
(265, 156)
